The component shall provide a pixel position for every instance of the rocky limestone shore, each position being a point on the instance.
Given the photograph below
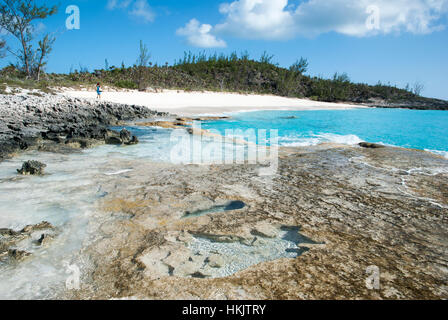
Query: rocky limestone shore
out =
(346, 209)
(312, 230)
(28, 121)
(417, 103)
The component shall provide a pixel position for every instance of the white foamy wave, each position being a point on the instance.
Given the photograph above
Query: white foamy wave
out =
(301, 142)
(349, 139)
(289, 141)
(439, 152)
(118, 172)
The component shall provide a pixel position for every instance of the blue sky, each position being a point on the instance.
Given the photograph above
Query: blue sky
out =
(396, 41)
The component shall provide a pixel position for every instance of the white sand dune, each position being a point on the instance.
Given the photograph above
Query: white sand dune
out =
(189, 103)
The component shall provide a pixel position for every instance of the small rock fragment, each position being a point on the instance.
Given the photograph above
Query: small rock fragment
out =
(370, 145)
(32, 167)
(44, 239)
(18, 254)
(41, 226)
(215, 261)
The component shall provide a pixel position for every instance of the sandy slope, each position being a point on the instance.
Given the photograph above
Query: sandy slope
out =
(187, 103)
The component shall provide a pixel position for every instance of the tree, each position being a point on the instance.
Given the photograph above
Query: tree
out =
(300, 66)
(343, 77)
(142, 64)
(17, 18)
(266, 58)
(144, 56)
(418, 88)
(2, 48)
(45, 48)
(407, 88)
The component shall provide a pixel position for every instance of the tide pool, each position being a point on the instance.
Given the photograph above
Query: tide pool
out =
(425, 130)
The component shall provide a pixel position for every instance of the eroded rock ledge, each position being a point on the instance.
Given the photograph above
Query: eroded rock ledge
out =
(28, 121)
(346, 208)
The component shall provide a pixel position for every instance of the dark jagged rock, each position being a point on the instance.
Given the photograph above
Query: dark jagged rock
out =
(128, 138)
(369, 145)
(28, 121)
(113, 137)
(44, 239)
(3, 248)
(290, 118)
(125, 136)
(114, 140)
(134, 140)
(119, 138)
(7, 232)
(18, 254)
(83, 143)
(35, 227)
(32, 167)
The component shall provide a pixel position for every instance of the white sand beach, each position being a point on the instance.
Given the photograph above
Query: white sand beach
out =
(189, 103)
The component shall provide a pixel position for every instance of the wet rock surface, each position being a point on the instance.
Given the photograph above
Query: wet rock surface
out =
(124, 137)
(28, 121)
(15, 246)
(340, 209)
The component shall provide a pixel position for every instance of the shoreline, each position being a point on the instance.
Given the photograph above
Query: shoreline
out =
(209, 103)
(334, 219)
(51, 122)
(48, 122)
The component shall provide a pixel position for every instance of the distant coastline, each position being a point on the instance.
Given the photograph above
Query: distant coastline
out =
(228, 75)
(193, 103)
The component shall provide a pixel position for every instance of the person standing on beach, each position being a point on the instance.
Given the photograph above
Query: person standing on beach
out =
(98, 90)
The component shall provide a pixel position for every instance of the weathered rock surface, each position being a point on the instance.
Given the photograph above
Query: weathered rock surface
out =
(27, 121)
(358, 207)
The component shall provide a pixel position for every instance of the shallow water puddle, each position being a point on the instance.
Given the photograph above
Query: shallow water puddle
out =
(229, 206)
(232, 257)
(64, 196)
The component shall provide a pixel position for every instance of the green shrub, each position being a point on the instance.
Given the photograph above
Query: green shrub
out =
(126, 84)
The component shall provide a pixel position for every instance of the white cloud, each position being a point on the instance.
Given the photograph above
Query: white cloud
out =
(142, 10)
(118, 4)
(199, 35)
(282, 19)
(349, 16)
(267, 19)
(137, 8)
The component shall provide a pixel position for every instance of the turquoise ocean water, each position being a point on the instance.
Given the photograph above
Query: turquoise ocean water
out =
(425, 130)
